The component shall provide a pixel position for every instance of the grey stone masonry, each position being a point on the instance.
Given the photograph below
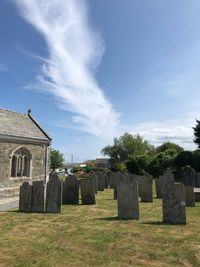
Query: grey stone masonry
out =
(25, 197)
(101, 181)
(87, 191)
(38, 196)
(189, 196)
(54, 195)
(127, 198)
(71, 190)
(173, 202)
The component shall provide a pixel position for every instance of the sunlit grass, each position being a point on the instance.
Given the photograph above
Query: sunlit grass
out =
(93, 236)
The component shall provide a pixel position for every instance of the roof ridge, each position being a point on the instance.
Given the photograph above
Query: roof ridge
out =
(4, 109)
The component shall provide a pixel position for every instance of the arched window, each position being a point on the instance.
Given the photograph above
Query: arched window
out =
(20, 163)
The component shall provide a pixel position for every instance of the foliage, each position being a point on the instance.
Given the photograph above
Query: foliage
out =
(121, 166)
(132, 166)
(197, 133)
(196, 160)
(169, 147)
(182, 159)
(159, 164)
(56, 158)
(127, 146)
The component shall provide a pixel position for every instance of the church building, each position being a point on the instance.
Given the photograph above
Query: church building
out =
(24, 151)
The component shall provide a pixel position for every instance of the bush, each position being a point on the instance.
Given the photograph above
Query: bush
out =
(132, 166)
(182, 159)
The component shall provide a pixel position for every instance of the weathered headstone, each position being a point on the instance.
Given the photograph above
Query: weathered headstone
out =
(173, 202)
(38, 191)
(188, 177)
(112, 179)
(87, 191)
(25, 197)
(106, 180)
(101, 181)
(168, 177)
(127, 198)
(118, 176)
(54, 195)
(70, 190)
(158, 183)
(146, 189)
(95, 180)
(197, 194)
(197, 179)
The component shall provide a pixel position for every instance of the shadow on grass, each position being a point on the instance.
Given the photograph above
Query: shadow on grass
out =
(160, 223)
(116, 218)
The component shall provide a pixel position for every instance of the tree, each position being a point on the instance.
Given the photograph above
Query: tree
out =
(159, 164)
(197, 133)
(57, 159)
(170, 148)
(182, 159)
(127, 146)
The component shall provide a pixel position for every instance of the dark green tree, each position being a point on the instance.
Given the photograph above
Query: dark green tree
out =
(197, 133)
(170, 147)
(57, 159)
(182, 159)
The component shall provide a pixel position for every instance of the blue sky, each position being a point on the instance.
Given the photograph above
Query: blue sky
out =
(91, 70)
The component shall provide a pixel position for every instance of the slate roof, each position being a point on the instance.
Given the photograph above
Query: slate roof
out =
(21, 125)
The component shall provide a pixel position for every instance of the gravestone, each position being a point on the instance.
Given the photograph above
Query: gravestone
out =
(87, 191)
(70, 190)
(188, 176)
(112, 179)
(54, 195)
(95, 180)
(168, 177)
(158, 183)
(101, 181)
(38, 191)
(197, 179)
(146, 189)
(118, 176)
(127, 198)
(106, 180)
(173, 203)
(25, 197)
(197, 194)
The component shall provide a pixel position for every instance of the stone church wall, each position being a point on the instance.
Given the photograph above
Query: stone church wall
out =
(37, 171)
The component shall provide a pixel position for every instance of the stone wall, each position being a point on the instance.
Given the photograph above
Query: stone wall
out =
(37, 171)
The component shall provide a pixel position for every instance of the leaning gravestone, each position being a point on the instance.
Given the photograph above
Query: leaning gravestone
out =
(87, 191)
(188, 176)
(173, 202)
(38, 196)
(146, 189)
(54, 195)
(127, 198)
(101, 181)
(70, 190)
(25, 197)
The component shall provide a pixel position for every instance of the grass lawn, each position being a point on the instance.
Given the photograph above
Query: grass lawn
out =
(93, 236)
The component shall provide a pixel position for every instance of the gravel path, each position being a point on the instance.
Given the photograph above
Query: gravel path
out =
(9, 203)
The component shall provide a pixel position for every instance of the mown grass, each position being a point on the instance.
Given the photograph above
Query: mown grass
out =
(93, 236)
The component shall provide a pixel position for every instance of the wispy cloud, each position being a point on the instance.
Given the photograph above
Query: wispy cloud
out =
(3, 68)
(75, 50)
(178, 131)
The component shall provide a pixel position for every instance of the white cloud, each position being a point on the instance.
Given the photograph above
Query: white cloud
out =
(3, 68)
(75, 50)
(178, 131)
